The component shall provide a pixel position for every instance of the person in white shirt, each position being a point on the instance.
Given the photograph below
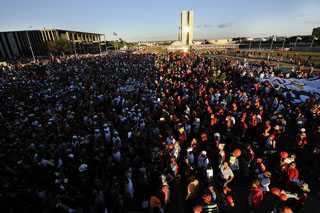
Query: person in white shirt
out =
(225, 173)
(129, 188)
(289, 159)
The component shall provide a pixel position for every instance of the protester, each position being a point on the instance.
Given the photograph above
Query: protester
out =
(255, 196)
(99, 132)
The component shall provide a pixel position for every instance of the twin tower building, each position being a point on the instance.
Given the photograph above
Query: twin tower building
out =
(187, 27)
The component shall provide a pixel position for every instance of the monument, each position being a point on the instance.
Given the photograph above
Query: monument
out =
(187, 27)
(185, 31)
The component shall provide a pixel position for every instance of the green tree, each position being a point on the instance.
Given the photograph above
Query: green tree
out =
(59, 46)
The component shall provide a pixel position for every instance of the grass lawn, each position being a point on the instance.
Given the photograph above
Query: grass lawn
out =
(284, 56)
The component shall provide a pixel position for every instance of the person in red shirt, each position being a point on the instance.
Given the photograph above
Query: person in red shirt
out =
(165, 190)
(256, 196)
(243, 128)
(301, 141)
(277, 132)
(248, 156)
(291, 171)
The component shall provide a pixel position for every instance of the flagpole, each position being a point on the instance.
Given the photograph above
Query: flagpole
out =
(295, 44)
(271, 44)
(312, 42)
(260, 44)
(283, 43)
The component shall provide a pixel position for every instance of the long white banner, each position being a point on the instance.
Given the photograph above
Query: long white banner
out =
(302, 88)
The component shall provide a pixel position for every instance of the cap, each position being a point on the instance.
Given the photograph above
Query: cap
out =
(206, 197)
(267, 174)
(83, 167)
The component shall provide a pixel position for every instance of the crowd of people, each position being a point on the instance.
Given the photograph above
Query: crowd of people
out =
(150, 133)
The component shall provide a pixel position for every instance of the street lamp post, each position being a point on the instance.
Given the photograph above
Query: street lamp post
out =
(260, 44)
(284, 40)
(115, 44)
(74, 46)
(99, 47)
(314, 38)
(30, 44)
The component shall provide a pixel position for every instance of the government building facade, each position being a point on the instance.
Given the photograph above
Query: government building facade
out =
(17, 43)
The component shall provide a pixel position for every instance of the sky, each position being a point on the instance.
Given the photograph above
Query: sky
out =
(159, 20)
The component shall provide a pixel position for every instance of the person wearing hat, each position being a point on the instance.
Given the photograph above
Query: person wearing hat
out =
(271, 142)
(265, 181)
(234, 162)
(208, 205)
(258, 166)
(203, 160)
(210, 192)
(301, 189)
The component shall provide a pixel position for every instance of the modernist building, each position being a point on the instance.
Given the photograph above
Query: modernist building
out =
(16, 43)
(187, 27)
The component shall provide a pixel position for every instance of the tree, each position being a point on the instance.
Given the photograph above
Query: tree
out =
(59, 46)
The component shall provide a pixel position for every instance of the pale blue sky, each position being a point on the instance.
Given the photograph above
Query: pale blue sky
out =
(146, 20)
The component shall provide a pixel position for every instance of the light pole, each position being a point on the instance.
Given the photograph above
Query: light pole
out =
(260, 44)
(298, 38)
(74, 46)
(115, 34)
(314, 38)
(271, 43)
(284, 40)
(30, 44)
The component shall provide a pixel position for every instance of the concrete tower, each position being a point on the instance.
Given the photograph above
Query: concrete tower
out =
(184, 26)
(187, 27)
(190, 27)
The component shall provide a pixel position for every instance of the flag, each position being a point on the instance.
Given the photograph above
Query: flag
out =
(299, 38)
(115, 34)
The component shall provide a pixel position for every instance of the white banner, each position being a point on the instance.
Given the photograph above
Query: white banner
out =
(302, 88)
